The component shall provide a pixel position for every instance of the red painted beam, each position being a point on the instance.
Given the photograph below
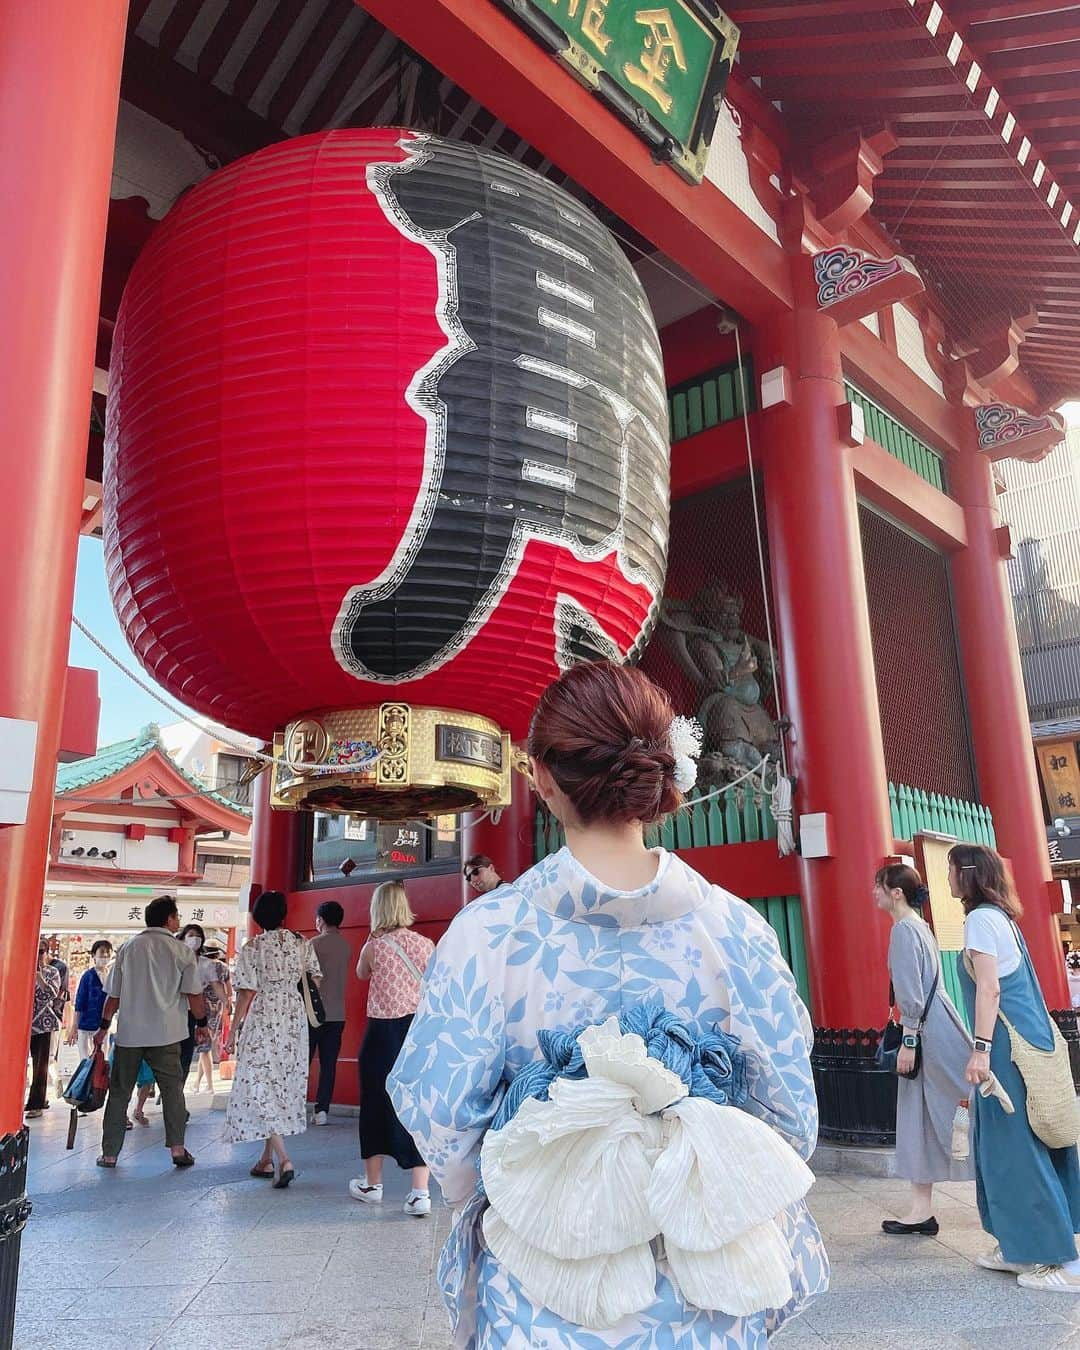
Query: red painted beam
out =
(710, 458)
(476, 44)
(746, 869)
(873, 367)
(891, 486)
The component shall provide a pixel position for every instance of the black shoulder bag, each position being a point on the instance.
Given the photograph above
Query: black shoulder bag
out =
(892, 1038)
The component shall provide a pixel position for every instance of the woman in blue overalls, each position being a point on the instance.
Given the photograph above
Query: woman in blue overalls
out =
(1028, 1194)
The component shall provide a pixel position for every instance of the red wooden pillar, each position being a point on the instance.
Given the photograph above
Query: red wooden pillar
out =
(827, 666)
(59, 94)
(507, 842)
(275, 843)
(997, 706)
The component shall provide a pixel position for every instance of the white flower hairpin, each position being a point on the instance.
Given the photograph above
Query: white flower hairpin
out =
(685, 739)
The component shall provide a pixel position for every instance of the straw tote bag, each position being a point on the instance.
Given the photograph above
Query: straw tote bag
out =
(1051, 1097)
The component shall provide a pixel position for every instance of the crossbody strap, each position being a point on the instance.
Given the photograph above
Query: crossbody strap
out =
(410, 965)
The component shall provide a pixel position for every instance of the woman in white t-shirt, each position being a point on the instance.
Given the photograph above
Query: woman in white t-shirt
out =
(1028, 1194)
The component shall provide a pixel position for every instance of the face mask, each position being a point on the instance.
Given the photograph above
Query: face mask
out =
(193, 942)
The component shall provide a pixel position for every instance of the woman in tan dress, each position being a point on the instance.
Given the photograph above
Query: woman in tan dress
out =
(268, 1096)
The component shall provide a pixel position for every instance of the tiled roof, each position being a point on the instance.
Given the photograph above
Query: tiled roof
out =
(112, 759)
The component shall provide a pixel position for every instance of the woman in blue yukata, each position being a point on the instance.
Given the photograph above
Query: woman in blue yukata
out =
(609, 1070)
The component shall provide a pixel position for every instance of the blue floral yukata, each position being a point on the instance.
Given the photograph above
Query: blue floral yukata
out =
(557, 950)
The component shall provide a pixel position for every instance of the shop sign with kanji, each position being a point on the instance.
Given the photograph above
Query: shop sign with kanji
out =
(663, 67)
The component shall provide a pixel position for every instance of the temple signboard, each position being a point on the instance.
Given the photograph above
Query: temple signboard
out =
(663, 67)
(1060, 770)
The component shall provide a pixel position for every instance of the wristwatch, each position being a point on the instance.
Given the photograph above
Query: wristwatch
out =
(982, 1047)
(911, 1040)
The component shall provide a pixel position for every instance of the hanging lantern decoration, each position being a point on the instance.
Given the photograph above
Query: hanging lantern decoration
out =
(386, 450)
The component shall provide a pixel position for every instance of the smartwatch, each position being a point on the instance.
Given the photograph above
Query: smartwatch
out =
(911, 1040)
(982, 1047)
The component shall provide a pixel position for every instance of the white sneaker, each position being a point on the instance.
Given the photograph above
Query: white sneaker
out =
(418, 1204)
(367, 1195)
(1050, 1279)
(320, 1118)
(995, 1261)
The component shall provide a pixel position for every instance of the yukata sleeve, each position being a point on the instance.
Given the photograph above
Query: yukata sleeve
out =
(447, 1082)
(775, 1031)
(908, 972)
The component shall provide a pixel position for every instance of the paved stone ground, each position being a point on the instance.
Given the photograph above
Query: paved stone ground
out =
(150, 1257)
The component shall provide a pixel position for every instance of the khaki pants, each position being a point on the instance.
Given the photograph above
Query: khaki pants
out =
(164, 1061)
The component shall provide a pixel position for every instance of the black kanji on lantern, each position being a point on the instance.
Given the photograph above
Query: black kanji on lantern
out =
(546, 411)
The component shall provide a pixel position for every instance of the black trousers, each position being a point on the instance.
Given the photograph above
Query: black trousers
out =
(326, 1040)
(40, 1047)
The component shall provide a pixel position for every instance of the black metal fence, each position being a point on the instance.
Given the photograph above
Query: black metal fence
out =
(857, 1100)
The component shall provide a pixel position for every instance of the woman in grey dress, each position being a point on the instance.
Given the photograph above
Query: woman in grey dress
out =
(925, 1105)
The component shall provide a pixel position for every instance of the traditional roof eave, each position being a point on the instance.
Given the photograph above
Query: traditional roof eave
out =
(121, 766)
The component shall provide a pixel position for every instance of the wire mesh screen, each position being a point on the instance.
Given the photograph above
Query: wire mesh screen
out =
(923, 715)
(710, 650)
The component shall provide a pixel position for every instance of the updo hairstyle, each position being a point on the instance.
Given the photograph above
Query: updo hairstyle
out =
(898, 877)
(602, 732)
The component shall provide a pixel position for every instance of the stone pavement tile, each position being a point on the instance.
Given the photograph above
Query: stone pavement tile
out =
(221, 1300)
(933, 1270)
(158, 1300)
(272, 1331)
(798, 1336)
(127, 1333)
(45, 1303)
(370, 1328)
(922, 1312)
(243, 1269)
(81, 1274)
(371, 1290)
(137, 1271)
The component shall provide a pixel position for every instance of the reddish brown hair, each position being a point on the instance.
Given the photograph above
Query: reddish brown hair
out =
(602, 731)
(983, 879)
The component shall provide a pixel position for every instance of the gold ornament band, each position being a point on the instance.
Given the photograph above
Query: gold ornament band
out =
(392, 762)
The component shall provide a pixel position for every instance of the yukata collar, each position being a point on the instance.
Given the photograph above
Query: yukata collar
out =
(563, 887)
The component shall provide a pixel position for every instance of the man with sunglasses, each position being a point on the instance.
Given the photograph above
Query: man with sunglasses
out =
(479, 871)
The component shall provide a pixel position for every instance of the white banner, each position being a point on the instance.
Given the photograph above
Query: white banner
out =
(113, 916)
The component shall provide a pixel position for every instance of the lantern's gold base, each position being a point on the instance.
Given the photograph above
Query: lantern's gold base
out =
(392, 762)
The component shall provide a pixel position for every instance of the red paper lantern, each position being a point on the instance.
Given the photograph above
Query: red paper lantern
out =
(387, 422)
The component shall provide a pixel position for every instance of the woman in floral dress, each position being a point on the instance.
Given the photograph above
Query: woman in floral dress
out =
(609, 1070)
(271, 1029)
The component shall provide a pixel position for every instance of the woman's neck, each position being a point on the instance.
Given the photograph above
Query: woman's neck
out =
(614, 854)
(904, 911)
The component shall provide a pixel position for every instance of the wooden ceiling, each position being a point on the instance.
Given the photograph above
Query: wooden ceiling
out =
(979, 95)
(983, 189)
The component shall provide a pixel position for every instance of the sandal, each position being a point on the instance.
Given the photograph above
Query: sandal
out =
(106, 1162)
(266, 1171)
(183, 1160)
(285, 1177)
(141, 1117)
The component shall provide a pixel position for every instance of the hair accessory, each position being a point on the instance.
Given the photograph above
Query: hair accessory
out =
(685, 738)
(921, 896)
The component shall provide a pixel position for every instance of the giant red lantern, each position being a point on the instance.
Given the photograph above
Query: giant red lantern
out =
(386, 449)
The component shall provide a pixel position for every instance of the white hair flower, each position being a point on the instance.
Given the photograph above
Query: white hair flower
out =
(685, 738)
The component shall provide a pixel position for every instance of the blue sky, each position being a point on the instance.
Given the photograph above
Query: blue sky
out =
(125, 708)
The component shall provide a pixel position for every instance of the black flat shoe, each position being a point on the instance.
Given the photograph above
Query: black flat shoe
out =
(928, 1228)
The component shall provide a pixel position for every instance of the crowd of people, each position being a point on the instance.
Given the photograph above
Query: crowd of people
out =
(589, 1042)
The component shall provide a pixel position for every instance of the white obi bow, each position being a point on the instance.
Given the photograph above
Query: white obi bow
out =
(580, 1186)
